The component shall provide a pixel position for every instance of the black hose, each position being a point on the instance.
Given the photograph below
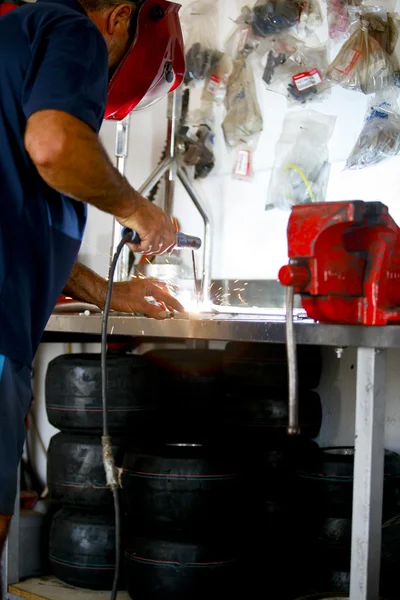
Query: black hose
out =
(105, 439)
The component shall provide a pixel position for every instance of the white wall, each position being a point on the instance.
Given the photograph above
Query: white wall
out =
(249, 242)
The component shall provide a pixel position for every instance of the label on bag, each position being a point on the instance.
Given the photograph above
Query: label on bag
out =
(242, 167)
(213, 84)
(352, 57)
(243, 37)
(306, 80)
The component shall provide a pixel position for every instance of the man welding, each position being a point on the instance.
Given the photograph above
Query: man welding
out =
(61, 64)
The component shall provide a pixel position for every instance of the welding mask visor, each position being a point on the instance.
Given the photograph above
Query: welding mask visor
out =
(154, 64)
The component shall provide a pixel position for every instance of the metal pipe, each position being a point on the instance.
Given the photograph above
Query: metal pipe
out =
(207, 241)
(368, 474)
(293, 425)
(170, 176)
(121, 153)
(155, 177)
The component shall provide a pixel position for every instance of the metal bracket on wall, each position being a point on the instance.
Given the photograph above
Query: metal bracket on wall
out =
(169, 168)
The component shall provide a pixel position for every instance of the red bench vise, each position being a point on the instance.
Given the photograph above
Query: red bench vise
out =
(345, 262)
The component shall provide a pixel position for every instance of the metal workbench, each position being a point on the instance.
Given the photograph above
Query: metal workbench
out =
(371, 344)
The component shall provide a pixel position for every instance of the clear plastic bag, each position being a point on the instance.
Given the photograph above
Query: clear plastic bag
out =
(243, 121)
(301, 171)
(242, 40)
(310, 18)
(338, 18)
(201, 34)
(215, 86)
(273, 16)
(296, 71)
(383, 26)
(380, 136)
(362, 64)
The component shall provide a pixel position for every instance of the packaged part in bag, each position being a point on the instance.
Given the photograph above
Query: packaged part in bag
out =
(301, 170)
(383, 26)
(379, 139)
(339, 19)
(242, 41)
(362, 65)
(273, 16)
(310, 18)
(296, 71)
(200, 30)
(243, 121)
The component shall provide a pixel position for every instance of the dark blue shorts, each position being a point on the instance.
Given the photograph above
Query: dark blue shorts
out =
(15, 400)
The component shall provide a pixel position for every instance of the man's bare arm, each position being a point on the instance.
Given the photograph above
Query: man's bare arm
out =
(85, 285)
(71, 159)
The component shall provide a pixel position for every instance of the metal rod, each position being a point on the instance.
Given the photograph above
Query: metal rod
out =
(368, 474)
(293, 425)
(155, 177)
(207, 242)
(170, 176)
(121, 153)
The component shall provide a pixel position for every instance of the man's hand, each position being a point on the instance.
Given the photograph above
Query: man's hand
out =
(130, 296)
(156, 231)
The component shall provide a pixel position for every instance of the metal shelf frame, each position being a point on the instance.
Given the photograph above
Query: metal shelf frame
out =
(371, 343)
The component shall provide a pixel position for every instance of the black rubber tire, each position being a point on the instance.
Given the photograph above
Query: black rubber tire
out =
(331, 481)
(273, 466)
(75, 471)
(325, 596)
(267, 409)
(390, 558)
(183, 488)
(73, 392)
(193, 378)
(266, 365)
(333, 545)
(82, 548)
(173, 569)
(193, 381)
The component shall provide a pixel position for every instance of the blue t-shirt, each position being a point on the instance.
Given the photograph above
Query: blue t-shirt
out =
(51, 57)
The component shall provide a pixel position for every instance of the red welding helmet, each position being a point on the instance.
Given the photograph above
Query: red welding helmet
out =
(8, 6)
(154, 64)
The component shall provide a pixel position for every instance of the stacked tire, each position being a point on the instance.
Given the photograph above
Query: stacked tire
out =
(183, 506)
(328, 483)
(190, 393)
(280, 520)
(183, 493)
(82, 538)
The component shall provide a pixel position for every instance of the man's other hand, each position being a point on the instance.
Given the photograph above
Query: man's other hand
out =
(133, 297)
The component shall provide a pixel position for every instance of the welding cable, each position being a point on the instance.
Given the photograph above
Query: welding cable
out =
(108, 458)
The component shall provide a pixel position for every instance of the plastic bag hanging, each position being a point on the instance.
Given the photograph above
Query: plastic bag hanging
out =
(383, 26)
(301, 170)
(310, 19)
(243, 121)
(296, 71)
(273, 16)
(200, 29)
(243, 40)
(361, 64)
(379, 139)
(338, 18)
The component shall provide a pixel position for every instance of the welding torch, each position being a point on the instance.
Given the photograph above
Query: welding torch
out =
(182, 239)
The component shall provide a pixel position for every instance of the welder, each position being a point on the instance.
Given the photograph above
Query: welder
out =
(57, 59)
